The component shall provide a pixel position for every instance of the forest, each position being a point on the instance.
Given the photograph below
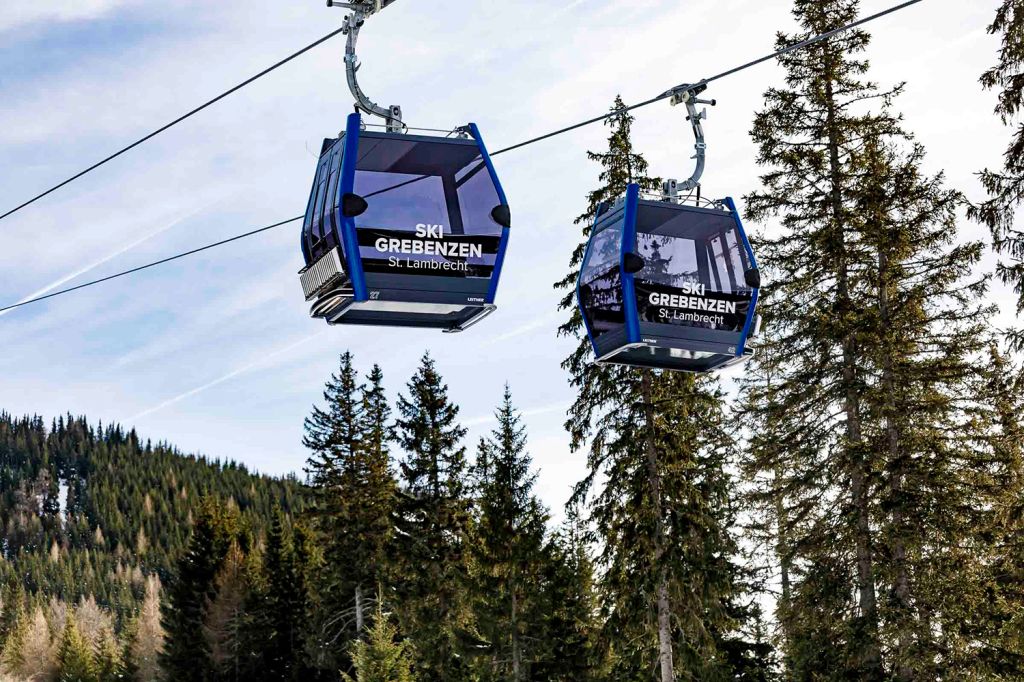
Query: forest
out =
(851, 509)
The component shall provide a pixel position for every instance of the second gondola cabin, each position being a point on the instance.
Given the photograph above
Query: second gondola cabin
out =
(404, 230)
(669, 286)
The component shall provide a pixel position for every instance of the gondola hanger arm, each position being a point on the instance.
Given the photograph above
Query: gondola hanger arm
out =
(687, 95)
(360, 11)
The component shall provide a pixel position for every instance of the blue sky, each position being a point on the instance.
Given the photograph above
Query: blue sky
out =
(217, 353)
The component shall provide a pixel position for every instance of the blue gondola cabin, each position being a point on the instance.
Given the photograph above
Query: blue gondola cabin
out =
(669, 286)
(404, 230)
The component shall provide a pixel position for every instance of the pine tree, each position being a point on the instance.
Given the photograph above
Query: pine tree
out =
(75, 661)
(1005, 187)
(381, 657)
(433, 528)
(656, 443)
(509, 551)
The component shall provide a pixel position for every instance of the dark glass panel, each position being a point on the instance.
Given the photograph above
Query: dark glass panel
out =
(600, 289)
(694, 268)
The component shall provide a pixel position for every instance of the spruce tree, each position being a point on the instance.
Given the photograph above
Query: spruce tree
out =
(333, 434)
(870, 369)
(355, 486)
(1005, 187)
(110, 665)
(75, 662)
(509, 550)
(807, 135)
(434, 518)
(186, 655)
(569, 596)
(381, 657)
(371, 496)
(286, 603)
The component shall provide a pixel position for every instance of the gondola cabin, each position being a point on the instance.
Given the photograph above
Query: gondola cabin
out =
(404, 230)
(669, 286)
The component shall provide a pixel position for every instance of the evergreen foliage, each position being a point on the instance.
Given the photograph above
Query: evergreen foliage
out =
(433, 528)
(1005, 187)
(870, 448)
(75, 662)
(381, 657)
(509, 551)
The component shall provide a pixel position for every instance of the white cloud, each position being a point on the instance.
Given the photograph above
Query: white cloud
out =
(20, 13)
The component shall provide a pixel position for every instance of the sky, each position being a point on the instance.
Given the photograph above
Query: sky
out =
(217, 353)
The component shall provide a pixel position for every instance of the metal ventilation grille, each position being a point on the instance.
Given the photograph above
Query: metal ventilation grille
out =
(325, 272)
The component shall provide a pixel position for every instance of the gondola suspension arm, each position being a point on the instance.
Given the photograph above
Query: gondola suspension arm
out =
(360, 11)
(687, 95)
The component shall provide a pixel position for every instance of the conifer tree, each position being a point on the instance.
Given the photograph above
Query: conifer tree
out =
(14, 625)
(570, 624)
(286, 602)
(38, 651)
(872, 366)
(1005, 187)
(147, 640)
(370, 492)
(351, 474)
(110, 665)
(381, 657)
(433, 528)
(806, 136)
(75, 662)
(225, 616)
(186, 655)
(509, 551)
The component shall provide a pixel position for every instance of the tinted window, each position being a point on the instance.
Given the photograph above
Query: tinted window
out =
(401, 201)
(477, 199)
(600, 289)
(693, 273)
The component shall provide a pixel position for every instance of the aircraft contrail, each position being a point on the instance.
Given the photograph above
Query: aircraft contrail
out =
(532, 412)
(227, 377)
(121, 251)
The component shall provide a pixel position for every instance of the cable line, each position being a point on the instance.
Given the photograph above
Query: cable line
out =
(173, 123)
(665, 95)
(162, 261)
(694, 86)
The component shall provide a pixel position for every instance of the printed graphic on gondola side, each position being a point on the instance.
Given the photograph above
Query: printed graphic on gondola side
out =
(429, 250)
(691, 304)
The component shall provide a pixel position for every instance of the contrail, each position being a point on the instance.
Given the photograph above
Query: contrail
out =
(533, 325)
(106, 259)
(533, 412)
(227, 377)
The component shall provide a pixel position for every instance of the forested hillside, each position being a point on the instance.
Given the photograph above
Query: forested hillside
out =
(94, 520)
